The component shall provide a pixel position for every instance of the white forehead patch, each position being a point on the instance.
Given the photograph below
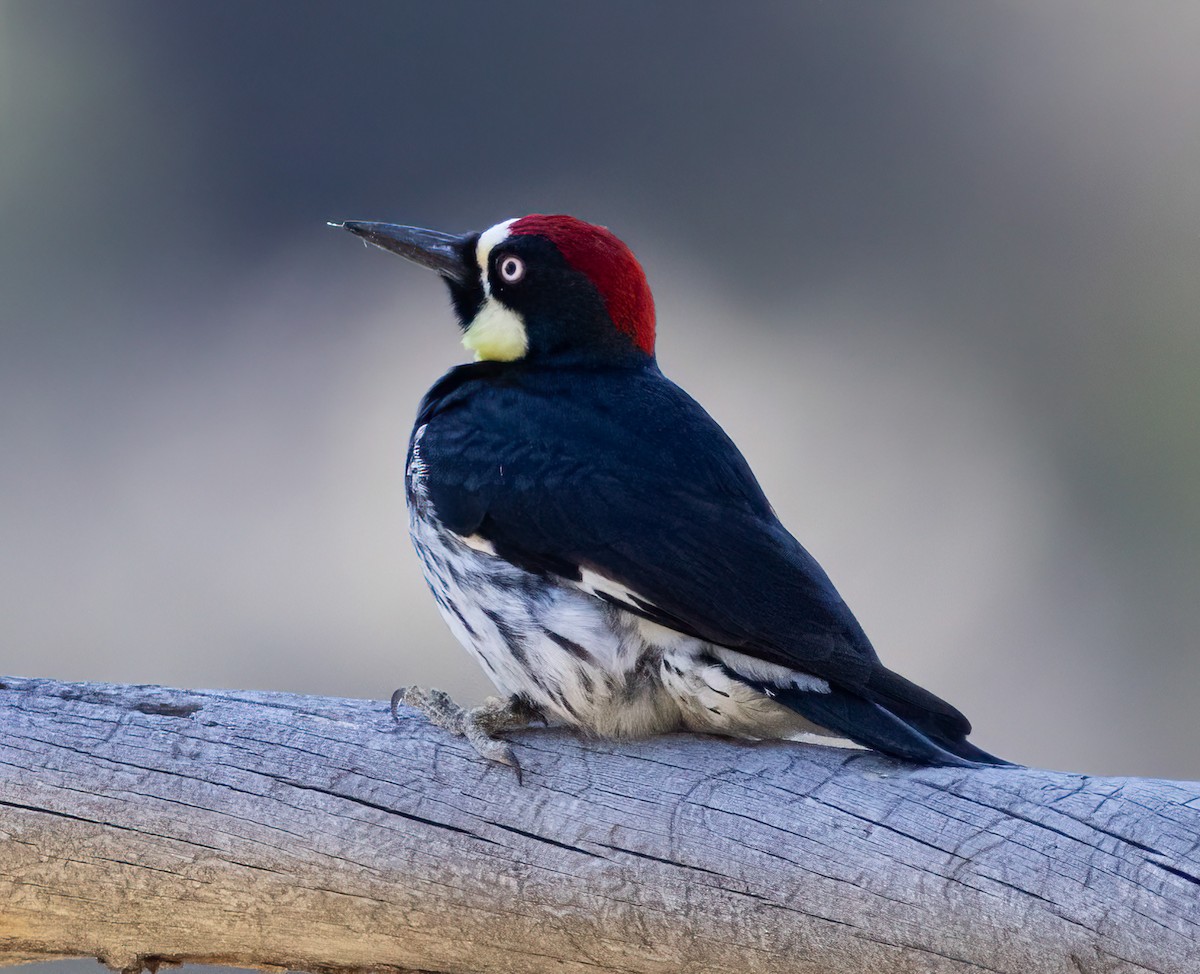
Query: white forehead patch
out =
(488, 240)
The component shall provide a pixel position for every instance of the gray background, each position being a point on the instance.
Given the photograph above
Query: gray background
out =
(933, 265)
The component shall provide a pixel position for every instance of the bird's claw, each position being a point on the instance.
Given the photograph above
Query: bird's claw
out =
(479, 725)
(492, 748)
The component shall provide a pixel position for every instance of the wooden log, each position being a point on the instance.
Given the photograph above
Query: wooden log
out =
(142, 825)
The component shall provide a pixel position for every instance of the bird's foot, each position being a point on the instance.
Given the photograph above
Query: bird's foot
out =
(479, 725)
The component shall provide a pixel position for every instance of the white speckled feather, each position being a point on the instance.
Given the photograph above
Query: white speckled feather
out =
(587, 662)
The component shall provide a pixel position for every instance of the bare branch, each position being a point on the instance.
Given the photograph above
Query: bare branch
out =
(143, 825)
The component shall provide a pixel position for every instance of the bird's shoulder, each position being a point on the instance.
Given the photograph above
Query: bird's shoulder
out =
(544, 429)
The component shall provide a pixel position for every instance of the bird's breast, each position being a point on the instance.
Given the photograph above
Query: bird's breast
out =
(581, 660)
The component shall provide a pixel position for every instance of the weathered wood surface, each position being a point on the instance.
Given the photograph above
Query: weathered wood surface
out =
(140, 824)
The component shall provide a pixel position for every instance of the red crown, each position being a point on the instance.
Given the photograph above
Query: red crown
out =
(607, 263)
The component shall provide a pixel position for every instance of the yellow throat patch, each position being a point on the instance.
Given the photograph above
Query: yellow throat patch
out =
(497, 334)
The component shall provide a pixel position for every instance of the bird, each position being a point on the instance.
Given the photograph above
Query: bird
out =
(597, 541)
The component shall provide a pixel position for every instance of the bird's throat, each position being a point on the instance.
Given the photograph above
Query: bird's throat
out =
(497, 334)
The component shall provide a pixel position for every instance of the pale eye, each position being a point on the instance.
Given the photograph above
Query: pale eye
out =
(512, 269)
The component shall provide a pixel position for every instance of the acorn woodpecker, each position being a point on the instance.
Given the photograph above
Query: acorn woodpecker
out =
(597, 541)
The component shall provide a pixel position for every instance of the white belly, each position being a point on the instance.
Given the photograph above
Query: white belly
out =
(583, 661)
(569, 653)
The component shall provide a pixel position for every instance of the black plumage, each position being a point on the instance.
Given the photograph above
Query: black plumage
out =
(616, 469)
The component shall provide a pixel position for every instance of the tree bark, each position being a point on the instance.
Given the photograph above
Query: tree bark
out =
(142, 825)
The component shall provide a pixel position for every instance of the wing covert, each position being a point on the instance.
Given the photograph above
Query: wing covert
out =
(669, 511)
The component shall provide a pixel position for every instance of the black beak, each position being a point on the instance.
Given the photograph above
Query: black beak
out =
(442, 252)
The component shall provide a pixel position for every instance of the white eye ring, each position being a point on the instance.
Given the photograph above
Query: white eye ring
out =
(512, 269)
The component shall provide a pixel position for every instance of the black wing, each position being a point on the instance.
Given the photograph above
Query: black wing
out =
(619, 472)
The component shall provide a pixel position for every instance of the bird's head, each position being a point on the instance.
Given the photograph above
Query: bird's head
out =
(535, 287)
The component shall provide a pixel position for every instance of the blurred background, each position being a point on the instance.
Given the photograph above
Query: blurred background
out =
(933, 265)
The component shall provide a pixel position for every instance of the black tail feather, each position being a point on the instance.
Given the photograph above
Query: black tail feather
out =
(930, 714)
(873, 725)
(965, 749)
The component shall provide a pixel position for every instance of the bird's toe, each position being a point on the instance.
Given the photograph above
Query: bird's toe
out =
(437, 705)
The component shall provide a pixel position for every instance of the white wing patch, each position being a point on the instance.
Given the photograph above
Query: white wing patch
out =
(757, 669)
(596, 584)
(477, 542)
